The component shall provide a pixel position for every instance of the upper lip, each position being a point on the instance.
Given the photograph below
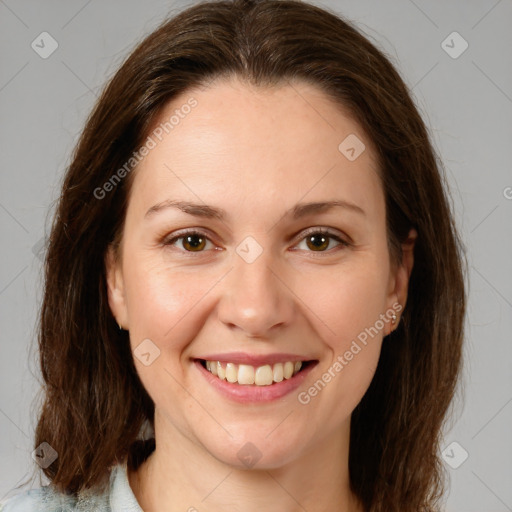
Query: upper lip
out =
(254, 359)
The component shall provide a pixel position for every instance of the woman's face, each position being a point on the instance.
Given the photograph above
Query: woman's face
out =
(257, 275)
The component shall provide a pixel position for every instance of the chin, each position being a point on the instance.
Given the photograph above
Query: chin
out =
(254, 450)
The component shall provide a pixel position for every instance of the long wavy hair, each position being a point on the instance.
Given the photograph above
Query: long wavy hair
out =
(94, 404)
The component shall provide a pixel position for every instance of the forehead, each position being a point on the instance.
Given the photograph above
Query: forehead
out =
(240, 145)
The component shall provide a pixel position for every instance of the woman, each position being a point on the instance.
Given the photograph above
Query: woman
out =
(254, 260)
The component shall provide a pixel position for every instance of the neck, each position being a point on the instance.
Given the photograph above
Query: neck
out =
(181, 475)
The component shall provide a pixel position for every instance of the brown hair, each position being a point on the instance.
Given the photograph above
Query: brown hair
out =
(94, 403)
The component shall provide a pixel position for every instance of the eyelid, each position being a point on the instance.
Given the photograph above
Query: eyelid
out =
(174, 237)
(324, 231)
(330, 233)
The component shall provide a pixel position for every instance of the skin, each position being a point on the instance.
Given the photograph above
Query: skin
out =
(254, 152)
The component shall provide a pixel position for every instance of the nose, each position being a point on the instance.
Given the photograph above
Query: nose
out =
(256, 300)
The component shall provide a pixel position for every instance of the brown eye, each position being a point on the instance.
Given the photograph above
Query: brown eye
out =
(317, 242)
(194, 243)
(190, 242)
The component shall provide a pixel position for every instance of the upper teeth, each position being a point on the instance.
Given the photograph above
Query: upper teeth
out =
(246, 374)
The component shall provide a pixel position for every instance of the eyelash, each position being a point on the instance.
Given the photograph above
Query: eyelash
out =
(308, 232)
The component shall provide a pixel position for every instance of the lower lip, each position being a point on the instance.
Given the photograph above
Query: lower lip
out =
(251, 393)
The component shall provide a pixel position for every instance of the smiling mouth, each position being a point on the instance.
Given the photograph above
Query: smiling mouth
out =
(247, 375)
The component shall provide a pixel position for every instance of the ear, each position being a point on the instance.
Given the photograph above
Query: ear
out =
(399, 279)
(115, 287)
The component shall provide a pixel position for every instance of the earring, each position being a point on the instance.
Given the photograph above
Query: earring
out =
(120, 327)
(393, 319)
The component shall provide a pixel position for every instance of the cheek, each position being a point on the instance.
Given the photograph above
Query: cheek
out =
(345, 311)
(166, 306)
(344, 301)
(162, 300)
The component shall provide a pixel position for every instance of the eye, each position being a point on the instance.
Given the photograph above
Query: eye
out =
(192, 241)
(316, 240)
(319, 240)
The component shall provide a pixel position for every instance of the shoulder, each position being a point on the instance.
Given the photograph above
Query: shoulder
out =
(43, 499)
(118, 497)
(47, 499)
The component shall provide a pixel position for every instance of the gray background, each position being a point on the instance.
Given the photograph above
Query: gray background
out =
(466, 101)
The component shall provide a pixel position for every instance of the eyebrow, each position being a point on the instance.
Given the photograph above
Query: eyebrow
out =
(211, 212)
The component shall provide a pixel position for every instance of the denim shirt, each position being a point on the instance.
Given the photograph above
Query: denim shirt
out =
(118, 498)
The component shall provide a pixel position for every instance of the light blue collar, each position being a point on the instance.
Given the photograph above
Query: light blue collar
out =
(122, 498)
